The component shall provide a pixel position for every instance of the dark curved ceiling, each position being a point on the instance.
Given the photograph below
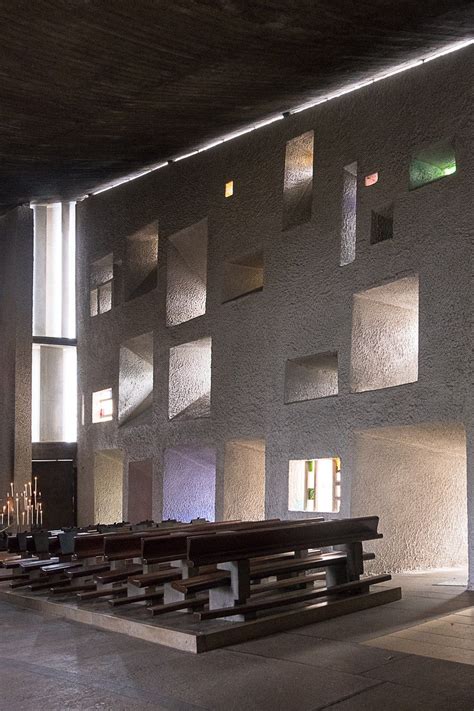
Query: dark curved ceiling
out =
(91, 90)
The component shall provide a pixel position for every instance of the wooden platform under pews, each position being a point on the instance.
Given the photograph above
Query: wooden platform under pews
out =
(199, 586)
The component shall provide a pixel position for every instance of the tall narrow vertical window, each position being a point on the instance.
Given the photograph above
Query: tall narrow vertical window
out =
(54, 275)
(298, 185)
(54, 370)
(349, 214)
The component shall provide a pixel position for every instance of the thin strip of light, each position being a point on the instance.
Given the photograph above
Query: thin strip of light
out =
(398, 69)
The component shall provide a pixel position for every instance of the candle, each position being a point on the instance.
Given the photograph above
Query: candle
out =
(11, 486)
(17, 510)
(29, 484)
(28, 515)
(2, 516)
(23, 518)
(36, 484)
(41, 516)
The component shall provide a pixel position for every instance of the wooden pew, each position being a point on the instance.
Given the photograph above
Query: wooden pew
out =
(232, 553)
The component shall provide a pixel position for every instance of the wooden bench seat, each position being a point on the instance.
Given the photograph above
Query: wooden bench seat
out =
(87, 571)
(161, 576)
(233, 552)
(115, 576)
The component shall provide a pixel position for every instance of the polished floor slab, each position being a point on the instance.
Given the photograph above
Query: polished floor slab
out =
(53, 664)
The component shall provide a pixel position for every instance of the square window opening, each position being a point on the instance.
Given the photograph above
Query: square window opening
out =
(381, 226)
(432, 164)
(311, 377)
(315, 485)
(102, 406)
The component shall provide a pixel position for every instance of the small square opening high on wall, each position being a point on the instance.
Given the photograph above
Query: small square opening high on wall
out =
(243, 276)
(189, 483)
(298, 182)
(311, 377)
(433, 163)
(102, 406)
(187, 274)
(381, 226)
(314, 485)
(101, 280)
(141, 261)
(136, 380)
(190, 380)
(384, 351)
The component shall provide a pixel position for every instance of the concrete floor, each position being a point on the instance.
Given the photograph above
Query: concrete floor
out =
(49, 663)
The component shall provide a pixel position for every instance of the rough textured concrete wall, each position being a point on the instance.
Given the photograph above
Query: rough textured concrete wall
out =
(16, 280)
(108, 486)
(244, 480)
(306, 304)
(189, 483)
(417, 485)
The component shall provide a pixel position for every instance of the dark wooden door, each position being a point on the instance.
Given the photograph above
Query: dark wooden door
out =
(57, 483)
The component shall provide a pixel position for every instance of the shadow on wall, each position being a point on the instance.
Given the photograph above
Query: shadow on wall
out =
(187, 274)
(190, 380)
(108, 486)
(141, 261)
(189, 483)
(136, 380)
(414, 478)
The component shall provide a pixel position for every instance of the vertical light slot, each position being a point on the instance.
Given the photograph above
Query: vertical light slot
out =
(69, 424)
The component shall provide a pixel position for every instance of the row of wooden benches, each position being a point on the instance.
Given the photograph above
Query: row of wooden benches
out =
(230, 569)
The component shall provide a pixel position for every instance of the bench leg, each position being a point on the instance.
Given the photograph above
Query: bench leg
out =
(172, 595)
(353, 568)
(237, 592)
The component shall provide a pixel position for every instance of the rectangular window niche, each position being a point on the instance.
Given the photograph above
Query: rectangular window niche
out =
(141, 261)
(384, 351)
(108, 486)
(314, 485)
(243, 276)
(101, 276)
(349, 214)
(140, 491)
(189, 483)
(187, 274)
(190, 380)
(311, 377)
(381, 226)
(433, 163)
(298, 181)
(136, 380)
(244, 480)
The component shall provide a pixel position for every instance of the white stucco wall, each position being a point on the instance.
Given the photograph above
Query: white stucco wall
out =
(306, 305)
(415, 480)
